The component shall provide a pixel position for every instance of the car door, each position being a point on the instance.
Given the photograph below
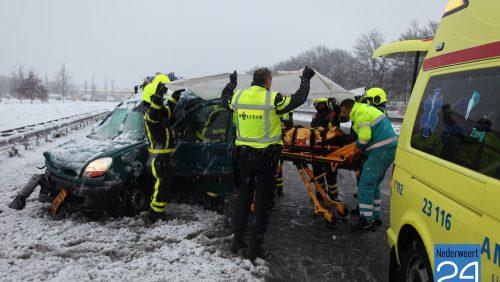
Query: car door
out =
(203, 158)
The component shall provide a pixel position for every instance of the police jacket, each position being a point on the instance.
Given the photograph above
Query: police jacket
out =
(258, 111)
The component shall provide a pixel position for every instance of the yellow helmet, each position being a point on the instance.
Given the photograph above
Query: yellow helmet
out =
(150, 89)
(316, 101)
(376, 95)
(161, 78)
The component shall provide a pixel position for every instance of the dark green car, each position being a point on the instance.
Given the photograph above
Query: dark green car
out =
(109, 169)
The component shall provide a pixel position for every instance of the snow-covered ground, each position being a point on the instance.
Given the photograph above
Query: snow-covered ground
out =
(14, 114)
(34, 246)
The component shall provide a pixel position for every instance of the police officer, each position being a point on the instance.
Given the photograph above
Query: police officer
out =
(161, 142)
(258, 147)
(327, 116)
(377, 141)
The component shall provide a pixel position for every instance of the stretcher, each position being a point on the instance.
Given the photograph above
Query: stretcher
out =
(330, 155)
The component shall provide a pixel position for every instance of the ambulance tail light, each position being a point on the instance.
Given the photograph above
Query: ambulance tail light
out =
(455, 6)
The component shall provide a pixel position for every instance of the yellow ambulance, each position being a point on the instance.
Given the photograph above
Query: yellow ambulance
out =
(445, 186)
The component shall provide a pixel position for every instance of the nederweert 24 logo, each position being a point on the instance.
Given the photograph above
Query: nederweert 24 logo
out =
(457, 262)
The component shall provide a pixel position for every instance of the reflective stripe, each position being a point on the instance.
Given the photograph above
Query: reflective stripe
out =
(154, 106)
(169, 112)
(377, 202)
(156, 209)
(212, 194)
(376, 208)
(161, 151)
(377, 120)
(156, 187)
(171, 99)
(365, 206)
(382, 143)
(364, 124)
(159, 204)
(366, 213)
(267, 107)
(363, 142)
(280, 185)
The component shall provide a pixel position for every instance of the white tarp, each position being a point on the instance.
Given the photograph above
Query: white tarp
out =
(287, 83)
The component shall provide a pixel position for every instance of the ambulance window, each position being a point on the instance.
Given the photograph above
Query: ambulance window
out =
(459, 120)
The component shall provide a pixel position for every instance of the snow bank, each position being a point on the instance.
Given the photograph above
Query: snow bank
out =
(191, 245)
(14, 114)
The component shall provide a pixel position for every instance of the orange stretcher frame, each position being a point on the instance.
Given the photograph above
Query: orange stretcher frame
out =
(336, 158)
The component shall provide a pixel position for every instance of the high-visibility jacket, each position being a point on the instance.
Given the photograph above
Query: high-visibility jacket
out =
(257, 123)
(157, 126)
(373, 128)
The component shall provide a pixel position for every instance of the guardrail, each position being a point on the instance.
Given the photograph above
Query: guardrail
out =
(41, 131)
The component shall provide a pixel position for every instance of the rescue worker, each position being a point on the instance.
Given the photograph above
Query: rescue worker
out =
(377, 98)
(327, 118)
(161, 142)
(213, 130)
(258, 147)
(377, 141)
(286, 123)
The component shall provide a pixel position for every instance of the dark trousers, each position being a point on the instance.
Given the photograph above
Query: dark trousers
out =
(257, 168)
(161, 170)
(331, 178)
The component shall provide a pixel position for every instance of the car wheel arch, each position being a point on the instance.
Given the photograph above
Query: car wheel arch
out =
(409, 235)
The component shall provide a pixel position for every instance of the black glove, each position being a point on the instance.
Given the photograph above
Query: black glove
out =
(177, 94)
(308, 73)
(233, 78)
(157, 99)
(161, 89)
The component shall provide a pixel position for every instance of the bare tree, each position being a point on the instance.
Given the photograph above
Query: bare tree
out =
(336, 64)
(372, 70)
(93, 89)
(4, 85)
(85, 87)
(16, 79)
(106, 85)
(112, 85)
(62, 81)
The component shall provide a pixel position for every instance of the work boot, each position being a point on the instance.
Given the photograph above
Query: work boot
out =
(238, 243)
(378, 222)
(279, 192)
(363, 225)
(256, 251)
(154, 216)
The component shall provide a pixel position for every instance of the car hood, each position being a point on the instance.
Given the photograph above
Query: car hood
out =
(73, 155)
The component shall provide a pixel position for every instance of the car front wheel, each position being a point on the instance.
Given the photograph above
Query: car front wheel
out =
(415, 263)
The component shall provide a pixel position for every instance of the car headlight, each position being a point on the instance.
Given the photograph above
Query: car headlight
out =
(97, 167)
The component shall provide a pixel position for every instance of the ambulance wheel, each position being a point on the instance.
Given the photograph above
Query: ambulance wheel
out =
(415, 263)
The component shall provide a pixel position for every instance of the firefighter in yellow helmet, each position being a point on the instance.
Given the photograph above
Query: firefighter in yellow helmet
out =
(161, 142)
(258, 148)
(376, 97)
(327, 116)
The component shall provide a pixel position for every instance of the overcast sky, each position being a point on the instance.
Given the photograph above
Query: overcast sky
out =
(129, 39)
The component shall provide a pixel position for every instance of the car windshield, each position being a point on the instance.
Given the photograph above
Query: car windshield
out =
(121, 124)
